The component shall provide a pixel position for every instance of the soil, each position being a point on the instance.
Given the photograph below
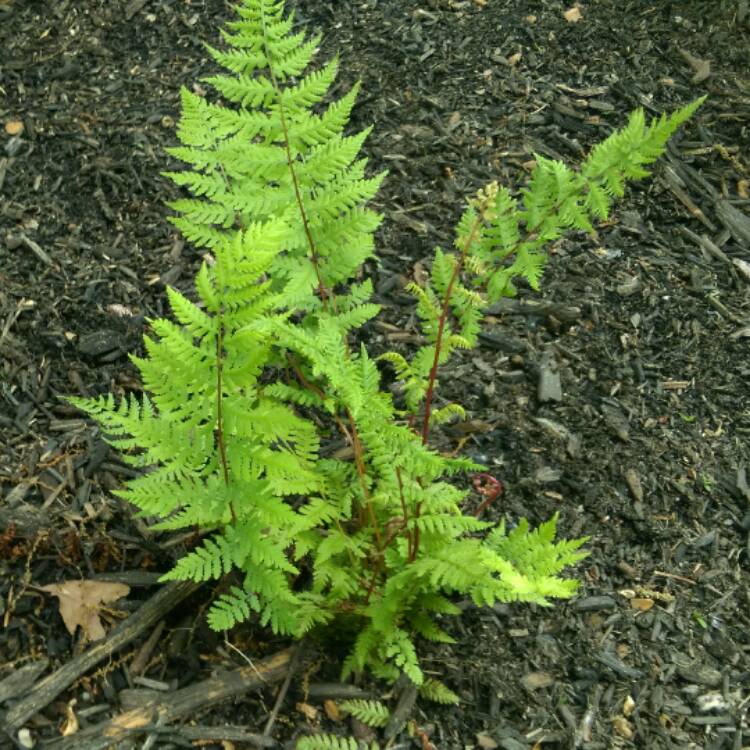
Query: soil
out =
(645, 447)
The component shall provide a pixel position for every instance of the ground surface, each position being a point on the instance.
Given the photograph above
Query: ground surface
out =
(647, 451)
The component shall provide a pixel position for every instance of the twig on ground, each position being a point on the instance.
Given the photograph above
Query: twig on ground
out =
(47, 689)
(284, 689)
(179, 704)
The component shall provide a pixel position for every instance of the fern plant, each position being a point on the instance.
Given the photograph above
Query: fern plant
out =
(245, 391)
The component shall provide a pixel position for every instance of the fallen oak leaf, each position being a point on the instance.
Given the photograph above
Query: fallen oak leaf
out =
(81, 602)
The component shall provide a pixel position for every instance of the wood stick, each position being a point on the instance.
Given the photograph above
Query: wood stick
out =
(231, 733)
(284, 689)
(181, 703)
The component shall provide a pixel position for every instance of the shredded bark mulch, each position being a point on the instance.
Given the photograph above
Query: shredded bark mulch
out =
(619, 397)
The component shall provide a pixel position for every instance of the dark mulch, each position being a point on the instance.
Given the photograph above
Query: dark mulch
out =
(646, 447)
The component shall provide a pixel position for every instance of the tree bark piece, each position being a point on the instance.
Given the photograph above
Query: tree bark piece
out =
(510, 306)
(21, 681)
(233, 734)
(181, 703)
(403, 710)
(735, 221)
(46, 690)
(549, 387)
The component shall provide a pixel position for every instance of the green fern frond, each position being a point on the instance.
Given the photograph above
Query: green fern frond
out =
(238, 157)
(362, 653)
(208, 185)
(257, 91)
(443, 267)
(372, 713)
(534, 552)
(435, 691)
(399, 648)
(195, 321)
(398, 361)
(315, 130)
(426, 627)
(290, 63)
(200, 235)
(333, 742)
(233, 608)
(313, 87)
(204, 212)
(448, 526)
(433, 602)
(448, 412)
(241, 61)
(621, 155)
(211, 561)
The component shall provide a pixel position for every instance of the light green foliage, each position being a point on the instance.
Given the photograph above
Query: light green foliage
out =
(501, 238)
(253, 380)
(240, 157)
(332, 742)
(372, 713)
(435, 691)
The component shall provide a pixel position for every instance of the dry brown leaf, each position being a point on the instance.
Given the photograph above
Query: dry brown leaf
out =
(641, 604)
(514, 59)
(573, 15)
(70, 725)
(332, 710)
(623, 727)
(81, 602)
(128, 721)
(308, 711)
